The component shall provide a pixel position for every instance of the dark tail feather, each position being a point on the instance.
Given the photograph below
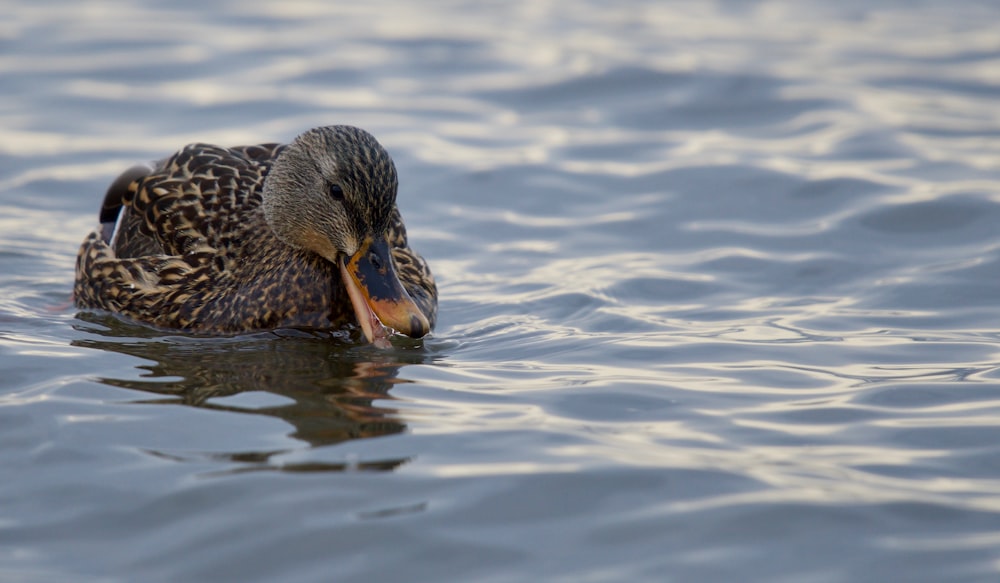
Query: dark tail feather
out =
(114, 199)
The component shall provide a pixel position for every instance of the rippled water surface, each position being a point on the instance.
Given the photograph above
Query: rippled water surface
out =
(719, 297)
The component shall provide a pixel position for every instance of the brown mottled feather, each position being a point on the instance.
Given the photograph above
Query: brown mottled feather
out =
(194, 251)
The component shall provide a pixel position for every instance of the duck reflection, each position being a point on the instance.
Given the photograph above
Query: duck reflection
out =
(330, 384)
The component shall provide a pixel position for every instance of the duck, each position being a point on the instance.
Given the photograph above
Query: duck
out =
(216, 240)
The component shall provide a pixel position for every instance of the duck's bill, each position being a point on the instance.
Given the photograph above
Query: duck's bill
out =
(380, 303)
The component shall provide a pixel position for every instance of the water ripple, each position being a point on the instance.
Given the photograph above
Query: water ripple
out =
(718, 284)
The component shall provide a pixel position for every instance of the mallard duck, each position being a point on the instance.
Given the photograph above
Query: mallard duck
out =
(224, 240)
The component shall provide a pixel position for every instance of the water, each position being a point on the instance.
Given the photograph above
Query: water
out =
(719, 297)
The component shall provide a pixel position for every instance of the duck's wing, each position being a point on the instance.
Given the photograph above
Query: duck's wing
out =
(169, 232)
(119, 227)
(190, 203)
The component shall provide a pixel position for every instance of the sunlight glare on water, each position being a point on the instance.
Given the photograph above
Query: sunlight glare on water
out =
(719, 287)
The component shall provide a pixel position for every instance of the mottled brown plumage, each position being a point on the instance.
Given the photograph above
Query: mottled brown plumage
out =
(222, 240)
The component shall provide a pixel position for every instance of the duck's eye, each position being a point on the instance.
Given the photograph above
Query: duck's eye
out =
(336, 192)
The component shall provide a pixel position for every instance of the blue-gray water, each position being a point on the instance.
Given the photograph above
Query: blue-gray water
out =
(719, 297)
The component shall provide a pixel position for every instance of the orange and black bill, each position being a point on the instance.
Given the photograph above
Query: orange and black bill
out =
(377, 295)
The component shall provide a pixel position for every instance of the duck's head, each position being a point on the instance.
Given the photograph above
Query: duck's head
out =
(332, 191)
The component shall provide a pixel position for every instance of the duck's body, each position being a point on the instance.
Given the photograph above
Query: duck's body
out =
(221, 240)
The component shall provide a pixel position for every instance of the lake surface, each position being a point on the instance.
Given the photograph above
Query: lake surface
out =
(720, 297)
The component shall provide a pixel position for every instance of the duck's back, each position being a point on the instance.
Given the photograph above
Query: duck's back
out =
(184, 244)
